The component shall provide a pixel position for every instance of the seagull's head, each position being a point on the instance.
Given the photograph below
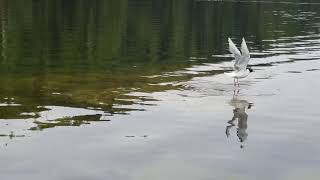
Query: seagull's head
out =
(250, 69)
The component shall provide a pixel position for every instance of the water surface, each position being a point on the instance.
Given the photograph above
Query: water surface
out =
(135, 90)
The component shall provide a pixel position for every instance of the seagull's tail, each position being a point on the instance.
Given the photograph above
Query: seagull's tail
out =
(230, 74)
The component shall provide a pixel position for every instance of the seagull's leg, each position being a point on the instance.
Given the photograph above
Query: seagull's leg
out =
(235, 93)
(234, 81)
(238, 82)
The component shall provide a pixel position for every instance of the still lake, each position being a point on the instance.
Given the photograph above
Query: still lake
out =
(134, 89)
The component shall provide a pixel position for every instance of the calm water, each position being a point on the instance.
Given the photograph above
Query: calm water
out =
(128, 89)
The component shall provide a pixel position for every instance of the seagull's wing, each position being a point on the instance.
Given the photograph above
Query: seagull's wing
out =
(244, 49)
(234, 50)
(245, 57)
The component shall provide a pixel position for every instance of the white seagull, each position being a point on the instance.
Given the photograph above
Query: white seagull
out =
(240, 69)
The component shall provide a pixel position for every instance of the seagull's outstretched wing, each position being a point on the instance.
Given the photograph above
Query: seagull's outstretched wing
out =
(242, 63)
(234, 50)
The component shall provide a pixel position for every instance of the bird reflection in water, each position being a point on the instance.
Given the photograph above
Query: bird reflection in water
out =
(240, 115)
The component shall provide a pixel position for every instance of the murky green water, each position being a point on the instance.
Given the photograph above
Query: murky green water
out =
(132, 89)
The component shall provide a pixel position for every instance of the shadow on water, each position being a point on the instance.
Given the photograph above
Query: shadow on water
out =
(240, 117)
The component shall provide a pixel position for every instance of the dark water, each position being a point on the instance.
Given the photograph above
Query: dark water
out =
(132, 89)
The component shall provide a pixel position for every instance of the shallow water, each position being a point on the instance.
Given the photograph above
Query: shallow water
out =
(135, 90)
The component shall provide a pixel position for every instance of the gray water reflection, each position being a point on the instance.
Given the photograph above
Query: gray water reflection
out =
(240, 117)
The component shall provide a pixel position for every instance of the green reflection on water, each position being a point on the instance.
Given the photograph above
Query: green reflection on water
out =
(97, 53)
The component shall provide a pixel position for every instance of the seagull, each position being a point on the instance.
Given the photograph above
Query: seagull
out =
(240, 69)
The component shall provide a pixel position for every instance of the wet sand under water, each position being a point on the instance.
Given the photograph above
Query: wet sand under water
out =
(188, 134)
